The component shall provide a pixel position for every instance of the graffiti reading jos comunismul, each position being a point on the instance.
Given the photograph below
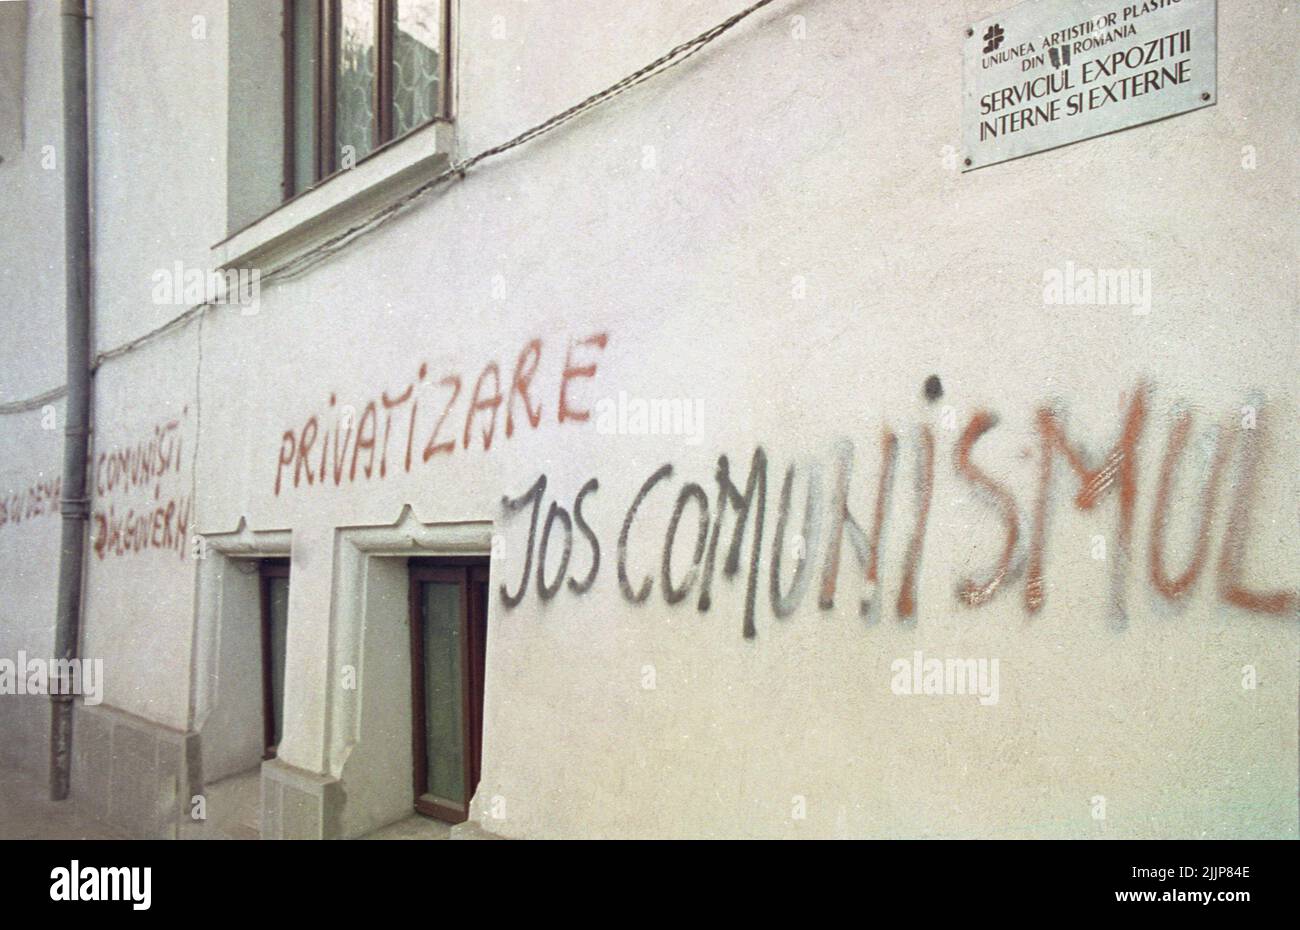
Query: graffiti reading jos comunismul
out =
(687, 567)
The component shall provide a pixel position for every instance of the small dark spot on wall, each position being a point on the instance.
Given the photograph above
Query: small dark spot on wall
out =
(933, 388)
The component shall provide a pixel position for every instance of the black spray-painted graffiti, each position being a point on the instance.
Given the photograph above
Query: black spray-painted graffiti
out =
(826, 528)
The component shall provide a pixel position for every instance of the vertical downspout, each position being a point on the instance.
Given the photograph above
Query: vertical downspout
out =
(74, 506)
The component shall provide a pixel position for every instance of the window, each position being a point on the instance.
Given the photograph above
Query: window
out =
(274, 583)
(359, 74)
(448, 638)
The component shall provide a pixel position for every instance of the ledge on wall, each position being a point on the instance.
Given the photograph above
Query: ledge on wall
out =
(341, 201)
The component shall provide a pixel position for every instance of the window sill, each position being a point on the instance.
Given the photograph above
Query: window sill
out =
(304, 222)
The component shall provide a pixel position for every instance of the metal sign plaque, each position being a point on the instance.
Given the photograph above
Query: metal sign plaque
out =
(1051, 72)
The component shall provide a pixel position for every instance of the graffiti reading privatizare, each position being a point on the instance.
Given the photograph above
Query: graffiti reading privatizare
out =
(396, 432)
(826, 526)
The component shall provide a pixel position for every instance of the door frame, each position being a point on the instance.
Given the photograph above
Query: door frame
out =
(471, 574)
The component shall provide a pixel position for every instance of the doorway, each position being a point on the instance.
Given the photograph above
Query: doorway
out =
(448, 620)
(274, 594)
(240, 650)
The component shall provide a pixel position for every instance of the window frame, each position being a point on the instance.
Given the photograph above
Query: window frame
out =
(324, 88)
(471, 574)
(268, 569)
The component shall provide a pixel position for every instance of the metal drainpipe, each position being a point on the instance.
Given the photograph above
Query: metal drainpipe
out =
(75, 505)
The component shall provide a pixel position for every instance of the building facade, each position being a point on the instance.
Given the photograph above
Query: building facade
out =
(631, 481)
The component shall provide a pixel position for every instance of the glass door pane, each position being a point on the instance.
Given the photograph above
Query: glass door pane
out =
(444, 691)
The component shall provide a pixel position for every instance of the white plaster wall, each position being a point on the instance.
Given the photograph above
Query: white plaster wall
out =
(160, 153)
(378, 763)
(31, 363)
(31, 217)
(827, 167)
(773, 159)
(254, 111)
(233, 734)
(139, 603)
(154, 142)
(30, 470)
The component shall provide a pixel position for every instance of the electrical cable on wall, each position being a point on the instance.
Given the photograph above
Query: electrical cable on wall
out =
(456, 171)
